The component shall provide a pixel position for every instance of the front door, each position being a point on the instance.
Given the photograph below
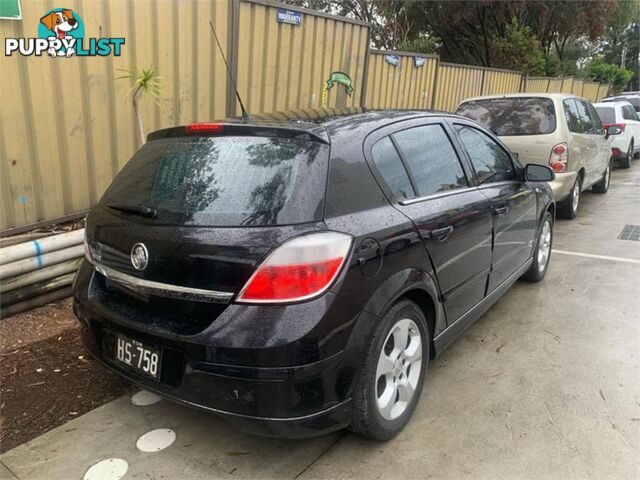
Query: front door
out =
(513, 203)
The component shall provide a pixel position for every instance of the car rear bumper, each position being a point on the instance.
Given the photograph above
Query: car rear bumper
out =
(327, 420)
(562, 185)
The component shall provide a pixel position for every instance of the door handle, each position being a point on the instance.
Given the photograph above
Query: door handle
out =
(501, 210)
(441, 234)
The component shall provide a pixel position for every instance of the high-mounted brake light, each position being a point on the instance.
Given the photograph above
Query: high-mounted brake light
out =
(559, 157)
(196, 128)
(298, 270)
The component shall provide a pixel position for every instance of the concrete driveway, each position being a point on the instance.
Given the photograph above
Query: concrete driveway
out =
(545, 385)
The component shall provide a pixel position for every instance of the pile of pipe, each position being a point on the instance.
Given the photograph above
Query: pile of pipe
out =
(38, 272)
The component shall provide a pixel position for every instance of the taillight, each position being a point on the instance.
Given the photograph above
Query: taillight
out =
(621, 125)
(559, 157)
(196, 128)
(299, 269)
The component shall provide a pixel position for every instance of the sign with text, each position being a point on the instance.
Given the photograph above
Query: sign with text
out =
(289, 16)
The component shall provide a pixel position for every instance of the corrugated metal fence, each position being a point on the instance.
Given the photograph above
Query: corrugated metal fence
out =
(67, 125)
(400, 80)
(592, 91)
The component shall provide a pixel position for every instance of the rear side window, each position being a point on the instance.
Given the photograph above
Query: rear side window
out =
(490, 161)
(388, 162)
(512, 116)
(431, 159)
(226, 181)
(628, 113)
(607, 114)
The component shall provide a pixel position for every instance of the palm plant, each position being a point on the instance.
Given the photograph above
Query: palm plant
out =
(145, 82)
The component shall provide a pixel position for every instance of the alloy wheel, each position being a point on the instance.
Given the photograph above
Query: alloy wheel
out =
(398, 370)
(544, 246)
(575, 200)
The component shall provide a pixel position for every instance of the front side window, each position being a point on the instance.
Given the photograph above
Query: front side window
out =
(388, 162)
(584, 118)
(572, 115)
(595, 120)
(431, 158)
(489, 160)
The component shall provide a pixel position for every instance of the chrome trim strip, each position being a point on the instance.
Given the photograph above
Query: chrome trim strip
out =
(456, 191)
(164, 289)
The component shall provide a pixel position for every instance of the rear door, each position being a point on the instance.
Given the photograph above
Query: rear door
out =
(513, 203)
(451, 215)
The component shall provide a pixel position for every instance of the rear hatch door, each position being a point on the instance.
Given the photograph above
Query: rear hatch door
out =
(208, 208)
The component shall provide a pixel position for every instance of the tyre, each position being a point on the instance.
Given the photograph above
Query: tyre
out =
(603, 185)
(391, 377)
(542, 252)
(626, 161)
(568, 208)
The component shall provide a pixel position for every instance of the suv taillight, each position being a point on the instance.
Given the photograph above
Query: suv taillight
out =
(299, 269)
(559, 157)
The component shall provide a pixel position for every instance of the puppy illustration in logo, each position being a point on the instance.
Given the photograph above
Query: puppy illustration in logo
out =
(60, 23)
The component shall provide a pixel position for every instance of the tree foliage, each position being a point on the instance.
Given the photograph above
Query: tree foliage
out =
(550, 37)
(610, 73)
(518, 49)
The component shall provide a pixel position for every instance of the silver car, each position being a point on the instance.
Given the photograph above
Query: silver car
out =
(558, 130)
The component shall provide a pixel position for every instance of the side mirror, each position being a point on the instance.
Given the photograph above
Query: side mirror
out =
(613, 130)
(538, 173)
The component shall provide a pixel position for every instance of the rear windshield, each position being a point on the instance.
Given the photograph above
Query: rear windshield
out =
(512, 116)
(606, 114)
(225, 181)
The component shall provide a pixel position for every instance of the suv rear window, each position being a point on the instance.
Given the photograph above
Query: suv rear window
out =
(226, 181)
(512, 116)
(607, 114)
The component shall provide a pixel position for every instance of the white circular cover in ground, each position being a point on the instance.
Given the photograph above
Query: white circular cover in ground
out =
(156, 440)
(109, 469)
(144, 398)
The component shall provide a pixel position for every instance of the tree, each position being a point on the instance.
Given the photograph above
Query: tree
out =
(145, 82)
(518, 49)
(610, 73)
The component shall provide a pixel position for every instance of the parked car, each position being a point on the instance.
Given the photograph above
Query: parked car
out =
(562, 131)
(296, 277)
(625, 146)
(633, 99)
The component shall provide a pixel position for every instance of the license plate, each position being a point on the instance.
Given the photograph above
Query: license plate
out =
(138, 356)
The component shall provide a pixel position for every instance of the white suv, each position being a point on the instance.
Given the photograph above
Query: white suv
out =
(554, 129)
(625, 146)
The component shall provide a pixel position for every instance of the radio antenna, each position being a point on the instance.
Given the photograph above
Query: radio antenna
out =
(245, 115)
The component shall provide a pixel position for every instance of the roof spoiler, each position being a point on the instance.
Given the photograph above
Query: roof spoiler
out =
(217, 129)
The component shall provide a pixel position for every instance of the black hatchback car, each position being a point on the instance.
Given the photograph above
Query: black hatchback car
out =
(296, 273)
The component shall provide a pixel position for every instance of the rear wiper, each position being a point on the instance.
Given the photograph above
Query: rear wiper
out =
(134, 209)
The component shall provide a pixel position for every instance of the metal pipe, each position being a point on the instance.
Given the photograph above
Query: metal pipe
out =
(40, 275)
(35, 263)
(37, 289)
(36, 248)
(35, 302)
